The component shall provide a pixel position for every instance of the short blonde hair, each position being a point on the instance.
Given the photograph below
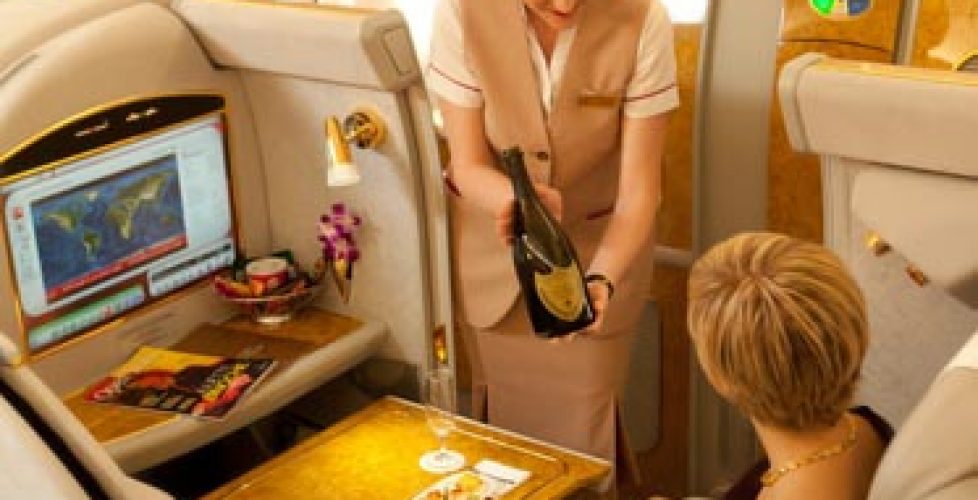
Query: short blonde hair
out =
(779, 328)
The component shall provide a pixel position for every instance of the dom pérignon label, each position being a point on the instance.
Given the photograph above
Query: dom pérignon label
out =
(546, 263)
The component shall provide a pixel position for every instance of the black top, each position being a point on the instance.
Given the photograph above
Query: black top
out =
(749, 485)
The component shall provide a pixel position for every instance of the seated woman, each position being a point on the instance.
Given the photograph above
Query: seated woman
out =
(780, 330)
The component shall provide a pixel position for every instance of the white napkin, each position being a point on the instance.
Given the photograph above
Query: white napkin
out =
(504, 478)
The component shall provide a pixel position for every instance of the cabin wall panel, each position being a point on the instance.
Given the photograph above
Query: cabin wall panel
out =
(794, 179)
(946, 33)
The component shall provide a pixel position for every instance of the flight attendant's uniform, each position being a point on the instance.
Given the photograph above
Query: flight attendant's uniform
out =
(566, 116)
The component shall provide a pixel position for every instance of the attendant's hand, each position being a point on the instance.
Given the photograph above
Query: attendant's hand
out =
(599, 301)
(551, 199)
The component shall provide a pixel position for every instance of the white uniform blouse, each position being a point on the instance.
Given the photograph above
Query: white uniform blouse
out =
(652, 89)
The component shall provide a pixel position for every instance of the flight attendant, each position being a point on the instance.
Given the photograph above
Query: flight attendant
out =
(583, 87)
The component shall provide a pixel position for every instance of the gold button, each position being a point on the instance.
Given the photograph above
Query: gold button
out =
(543, 156)
(917, 275)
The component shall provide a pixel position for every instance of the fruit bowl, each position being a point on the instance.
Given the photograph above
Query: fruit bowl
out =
(270, 289)
(275, 308)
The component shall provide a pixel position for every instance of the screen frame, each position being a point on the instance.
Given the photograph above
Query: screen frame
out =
(96, 131)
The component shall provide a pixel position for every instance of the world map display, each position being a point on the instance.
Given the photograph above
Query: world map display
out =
(87, 229)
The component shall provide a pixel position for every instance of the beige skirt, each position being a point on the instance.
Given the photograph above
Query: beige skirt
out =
(567, 393)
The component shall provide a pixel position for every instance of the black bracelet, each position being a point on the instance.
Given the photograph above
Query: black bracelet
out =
(592, 277)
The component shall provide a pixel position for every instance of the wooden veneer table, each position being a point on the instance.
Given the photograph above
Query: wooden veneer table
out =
(374, 454)
(312, 348)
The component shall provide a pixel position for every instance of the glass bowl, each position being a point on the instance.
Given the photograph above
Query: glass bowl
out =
(274, 309)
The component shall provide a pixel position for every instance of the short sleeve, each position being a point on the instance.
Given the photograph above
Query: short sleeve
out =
(448, 76)
(652, 89)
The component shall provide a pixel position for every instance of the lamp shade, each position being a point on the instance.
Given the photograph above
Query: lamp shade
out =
(341, 170)
(342, 174)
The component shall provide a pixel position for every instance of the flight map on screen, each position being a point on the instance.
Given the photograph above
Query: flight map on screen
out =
(89, 234)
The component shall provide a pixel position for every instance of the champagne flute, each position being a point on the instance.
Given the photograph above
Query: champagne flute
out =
(440, 407)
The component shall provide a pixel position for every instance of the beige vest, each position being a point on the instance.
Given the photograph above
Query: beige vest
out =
(576, 149)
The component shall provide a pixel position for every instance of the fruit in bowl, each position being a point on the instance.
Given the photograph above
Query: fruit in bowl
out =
(269, 298)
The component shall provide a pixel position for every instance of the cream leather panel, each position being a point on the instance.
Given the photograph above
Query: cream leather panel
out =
(136, 50)
(918, 118)
(27, 25)
(27, 467)
(898, 159)
(81, 443)
(914, 330)
(967, 357)
(931, 219)
(237, 34)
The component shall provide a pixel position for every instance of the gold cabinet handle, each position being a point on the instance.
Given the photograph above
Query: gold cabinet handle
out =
(876, 244)
(917, 275)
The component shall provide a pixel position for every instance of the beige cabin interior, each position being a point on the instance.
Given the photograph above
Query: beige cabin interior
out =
(843, 130)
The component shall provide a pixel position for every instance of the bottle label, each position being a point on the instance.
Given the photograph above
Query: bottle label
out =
(561, 291)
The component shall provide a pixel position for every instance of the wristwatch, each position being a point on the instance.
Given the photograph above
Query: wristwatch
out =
(600, 278)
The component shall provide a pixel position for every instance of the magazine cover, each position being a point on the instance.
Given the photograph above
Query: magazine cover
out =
(194, 384)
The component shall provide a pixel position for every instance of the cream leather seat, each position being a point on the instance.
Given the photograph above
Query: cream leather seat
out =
(45, 452)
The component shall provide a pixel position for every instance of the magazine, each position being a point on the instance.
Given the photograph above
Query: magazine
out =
(193, 384)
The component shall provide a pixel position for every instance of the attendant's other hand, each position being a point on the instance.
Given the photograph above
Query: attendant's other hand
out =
(551, 199)
(599, 301)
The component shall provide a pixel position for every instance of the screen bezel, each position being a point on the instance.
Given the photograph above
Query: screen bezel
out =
(100, 130)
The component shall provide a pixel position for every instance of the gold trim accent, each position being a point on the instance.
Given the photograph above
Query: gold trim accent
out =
(17, 361)
(93, 111)
(963, 59)
(364, 128)
(439, 343)
(876, 244)
(223, 114)
(918, 276)
(504, 444)
(899, 72)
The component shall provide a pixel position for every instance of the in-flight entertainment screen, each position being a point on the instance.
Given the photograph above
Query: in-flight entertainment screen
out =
(95, 238)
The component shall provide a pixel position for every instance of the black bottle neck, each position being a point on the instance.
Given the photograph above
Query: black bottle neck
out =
(513, 161)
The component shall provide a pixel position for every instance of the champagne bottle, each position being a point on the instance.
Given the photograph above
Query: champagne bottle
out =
(545, 260)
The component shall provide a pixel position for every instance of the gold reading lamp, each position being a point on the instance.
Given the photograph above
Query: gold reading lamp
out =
(365, 129)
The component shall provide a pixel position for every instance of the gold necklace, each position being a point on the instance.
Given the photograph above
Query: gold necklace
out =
(773, 475)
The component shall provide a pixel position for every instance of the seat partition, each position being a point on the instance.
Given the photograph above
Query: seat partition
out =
(301, 64)
(279, 72)
(901, 193)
